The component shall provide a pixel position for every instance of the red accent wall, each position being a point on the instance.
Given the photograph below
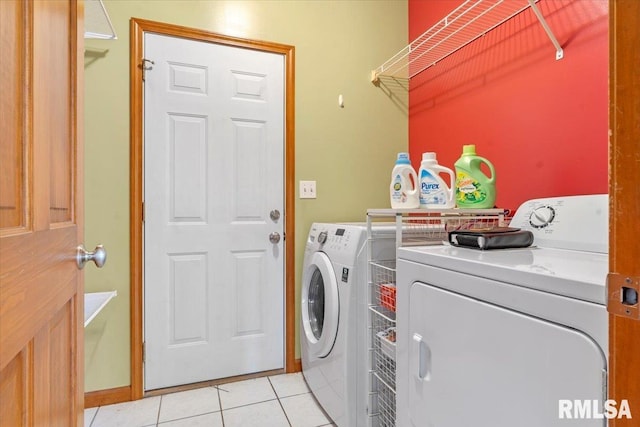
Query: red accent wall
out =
(543, 123)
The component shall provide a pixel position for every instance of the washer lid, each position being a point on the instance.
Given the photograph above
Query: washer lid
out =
(320, 305)
(574, 274)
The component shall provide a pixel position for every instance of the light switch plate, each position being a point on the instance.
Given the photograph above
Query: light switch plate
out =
(307, 189)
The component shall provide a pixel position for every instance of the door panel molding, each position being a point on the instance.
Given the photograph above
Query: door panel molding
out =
(137, 29)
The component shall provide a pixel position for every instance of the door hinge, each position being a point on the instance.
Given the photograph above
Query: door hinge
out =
(147, 64)
(142, 211)
(144, 352)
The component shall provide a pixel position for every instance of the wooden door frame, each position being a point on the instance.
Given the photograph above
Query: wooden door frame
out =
(137, 29)
(624, 222)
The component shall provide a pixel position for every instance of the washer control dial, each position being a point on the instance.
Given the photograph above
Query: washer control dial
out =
(542, 216)
(322, 237)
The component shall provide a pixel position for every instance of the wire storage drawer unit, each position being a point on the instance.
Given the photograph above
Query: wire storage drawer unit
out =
(410, 227)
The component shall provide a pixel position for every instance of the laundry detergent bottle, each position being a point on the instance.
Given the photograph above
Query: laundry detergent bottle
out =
(474, 189)
(403, 191)
(434, 191)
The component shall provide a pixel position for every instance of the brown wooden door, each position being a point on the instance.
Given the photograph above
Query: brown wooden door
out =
(41, 289)
(624, 249)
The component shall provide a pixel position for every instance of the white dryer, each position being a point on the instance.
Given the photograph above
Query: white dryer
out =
(499, 338)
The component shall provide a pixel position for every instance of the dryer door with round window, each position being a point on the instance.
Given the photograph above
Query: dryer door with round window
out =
(320, 305)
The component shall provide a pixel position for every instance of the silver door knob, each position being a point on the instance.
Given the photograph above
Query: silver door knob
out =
(98, 256)
(274, 237)
(275, 215)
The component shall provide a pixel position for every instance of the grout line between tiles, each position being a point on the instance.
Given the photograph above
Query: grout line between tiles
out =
(220, 404)
(247, 404)
(277, 397)
(279, 402)
(94, 417)
(159, 424)
(293, 395)
(159, 409)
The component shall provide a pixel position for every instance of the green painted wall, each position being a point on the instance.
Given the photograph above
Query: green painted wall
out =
(349, 151)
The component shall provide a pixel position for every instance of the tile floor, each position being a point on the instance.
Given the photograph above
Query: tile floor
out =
(277, 401)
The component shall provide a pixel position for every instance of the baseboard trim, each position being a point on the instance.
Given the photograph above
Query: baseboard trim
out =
(220, 381)
(109, 396)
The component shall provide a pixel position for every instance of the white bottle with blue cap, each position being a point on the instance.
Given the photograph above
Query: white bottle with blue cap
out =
(404, 181)
(434, 191)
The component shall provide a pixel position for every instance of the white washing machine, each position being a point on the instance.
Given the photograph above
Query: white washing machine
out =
(333, 330)
(498, 338)
(328, 316)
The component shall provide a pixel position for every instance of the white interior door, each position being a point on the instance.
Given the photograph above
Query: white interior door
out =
(213, 172)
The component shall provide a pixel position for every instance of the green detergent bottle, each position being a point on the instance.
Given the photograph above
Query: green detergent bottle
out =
(474, 189)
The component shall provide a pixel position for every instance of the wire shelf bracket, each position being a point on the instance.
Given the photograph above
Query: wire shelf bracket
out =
(469, 21)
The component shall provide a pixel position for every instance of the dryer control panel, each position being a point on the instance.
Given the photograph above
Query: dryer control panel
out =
(574, 222)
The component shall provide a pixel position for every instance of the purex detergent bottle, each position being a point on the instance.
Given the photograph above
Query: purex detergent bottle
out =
(474, 189)
(434, 191)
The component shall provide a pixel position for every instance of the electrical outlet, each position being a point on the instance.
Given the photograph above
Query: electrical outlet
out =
(307, 189)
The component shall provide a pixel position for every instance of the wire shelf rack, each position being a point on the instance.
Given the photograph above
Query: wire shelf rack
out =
(408, 227)
(384, 288)
(385, 352)
(386, 406)
(433, 229)
(429, 227)
(384, 367)
(469, 21)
